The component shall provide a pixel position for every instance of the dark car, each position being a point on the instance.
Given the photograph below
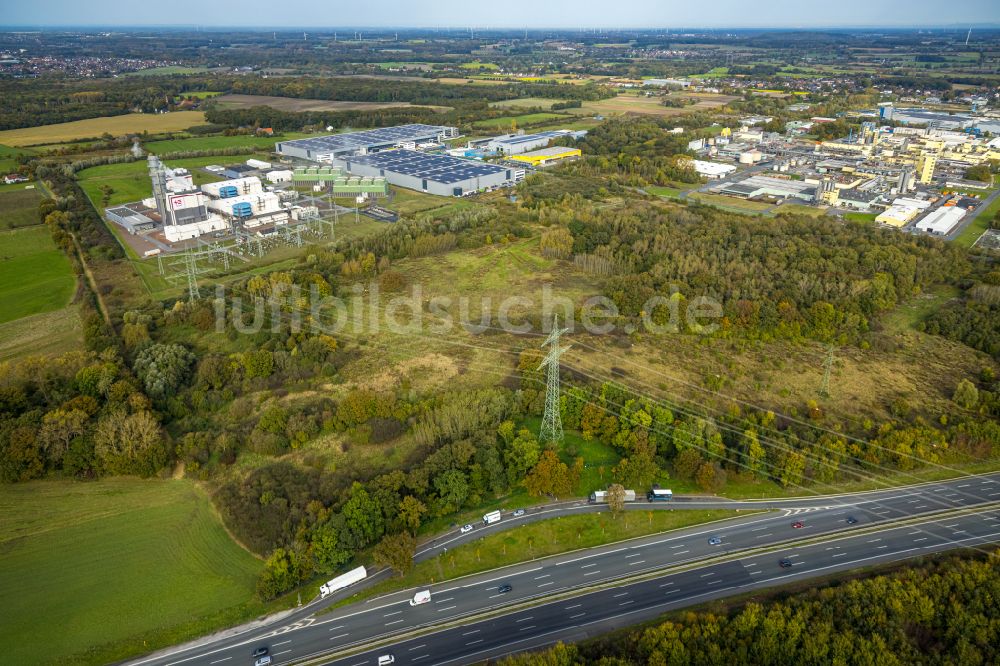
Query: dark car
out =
(505, 588)
(715, 541)
(798, 524)
(851, 520)
(259, 652)
(784, 563)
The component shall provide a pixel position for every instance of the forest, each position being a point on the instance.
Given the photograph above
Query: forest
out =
(942, 612)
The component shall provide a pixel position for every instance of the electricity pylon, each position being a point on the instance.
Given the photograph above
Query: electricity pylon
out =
(552, 430)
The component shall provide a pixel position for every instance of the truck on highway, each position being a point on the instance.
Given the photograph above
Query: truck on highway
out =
(342, 581)
(659, 495)
(601, 496)
(421, 597)
(491, 517)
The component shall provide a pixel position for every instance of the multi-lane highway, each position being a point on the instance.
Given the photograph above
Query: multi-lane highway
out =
(549, 598)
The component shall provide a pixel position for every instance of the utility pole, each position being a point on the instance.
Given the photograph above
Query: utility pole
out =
(552, 430)
(192, 276)
(827, 369)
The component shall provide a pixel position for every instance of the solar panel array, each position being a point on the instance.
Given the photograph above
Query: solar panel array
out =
(354, 141)
(439, 168)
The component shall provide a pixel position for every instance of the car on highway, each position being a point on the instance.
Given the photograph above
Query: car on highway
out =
(798, 524)
(466, 529)
(259, 652)
(386, 659)
(851, 520)
(784, 563)
(519, 512)
(505, 588)
(715, 541)
(263, 661)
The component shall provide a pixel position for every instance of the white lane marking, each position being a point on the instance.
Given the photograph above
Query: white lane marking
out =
(572, 607)
(584, 566)
(573, 617)
(839, 555)
(874, 540)
(417, 647)
(543, 576)
(591, 573)
(393, 613)
(587, 557)
(491, 580)
(758, 529)
(441, 610)
(441, 601)
(632, 564)
(920, 539)
(530, 626)
(681, 552)
(469, 633)
(423, 656)
(282, 652)
(665, 584)
(551, 582)
(881, 547)
(219, 661)
(281, 643)
(710, 573)
(762, 536)
(633, 555)
(753, 573)
(475, 641)
(339, 626)
(713, 582)
(388, 624)
(952, 525)
(339, 636)
(623, 594)
(360, 663)
(963, 485)
(524, 619)
(677, 546)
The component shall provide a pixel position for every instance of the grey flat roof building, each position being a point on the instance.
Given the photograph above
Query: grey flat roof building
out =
(435, 174)
(325, 148)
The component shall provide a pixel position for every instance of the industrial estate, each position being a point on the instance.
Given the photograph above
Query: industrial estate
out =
(386, 346)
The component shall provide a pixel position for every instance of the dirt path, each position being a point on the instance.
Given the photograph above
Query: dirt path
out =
(91, 280)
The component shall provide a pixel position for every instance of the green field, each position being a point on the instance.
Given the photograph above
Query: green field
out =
(507, 122)
(35, 276)
(972, 232)
(86, 565)
(662, 191)
(860, 217)
(525, 103)
(265, 143)
(18, 206)
(48, 333)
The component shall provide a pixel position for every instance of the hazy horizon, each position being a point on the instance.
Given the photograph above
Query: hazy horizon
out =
(516, 14)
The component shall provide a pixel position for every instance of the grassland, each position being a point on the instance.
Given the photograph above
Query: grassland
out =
(91, 570)
(525, 103)
(663, 191)
(35, 276)
(131, 123)
(18, 206)
(860, 217)
(169, 69)
(265, 143)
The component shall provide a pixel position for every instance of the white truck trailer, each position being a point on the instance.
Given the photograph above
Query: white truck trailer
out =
(342, 581)
(601, 496)
(421, 597)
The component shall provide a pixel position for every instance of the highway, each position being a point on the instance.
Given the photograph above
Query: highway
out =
(824, 542)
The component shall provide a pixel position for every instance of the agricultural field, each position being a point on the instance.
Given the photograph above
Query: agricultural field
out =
(293, 105)
(525, 103)
(629, 104)
(507, 122)
(7, 161)
(18, 206)
(169, 69)
(35, 276)
(130, 123)
(91, 570)
(265, 143)
(48, 333)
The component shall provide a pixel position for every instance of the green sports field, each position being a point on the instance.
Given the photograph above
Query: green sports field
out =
(91, 571)
(35, 276)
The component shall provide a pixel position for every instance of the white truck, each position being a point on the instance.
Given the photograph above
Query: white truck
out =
(342, 581)
(421, 597)
(491, 517)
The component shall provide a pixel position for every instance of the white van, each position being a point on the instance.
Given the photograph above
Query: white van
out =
(491, 517)
(421, 597)
(386, 659)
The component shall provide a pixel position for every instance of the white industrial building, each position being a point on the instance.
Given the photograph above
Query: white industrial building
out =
(515, 144)
(279, 176)
(336, 146)
(942, 221)
(712, 170)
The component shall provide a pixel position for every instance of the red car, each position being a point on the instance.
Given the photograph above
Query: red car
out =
(798, 524)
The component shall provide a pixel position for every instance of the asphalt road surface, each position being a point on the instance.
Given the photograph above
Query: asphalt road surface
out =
(845, 545)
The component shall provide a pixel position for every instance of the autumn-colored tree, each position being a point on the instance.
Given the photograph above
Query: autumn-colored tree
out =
(616, 498)
(396, 551)
(411, 510)
(551, 476)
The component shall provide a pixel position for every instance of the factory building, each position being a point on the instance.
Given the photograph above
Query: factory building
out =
(712, 170)
(435, 174)
(546, 156)
(942, 221)
(337, 146)
(765, 186)
(902, 212)
(515, 144)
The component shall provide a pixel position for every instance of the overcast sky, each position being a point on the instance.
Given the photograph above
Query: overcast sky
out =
(500, 13)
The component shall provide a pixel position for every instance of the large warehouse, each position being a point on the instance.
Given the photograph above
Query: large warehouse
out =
(435, 174)
(515, 144)
(327, 148)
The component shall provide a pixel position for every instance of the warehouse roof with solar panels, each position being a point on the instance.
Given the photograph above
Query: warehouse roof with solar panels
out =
(439, 168)
(322, 148)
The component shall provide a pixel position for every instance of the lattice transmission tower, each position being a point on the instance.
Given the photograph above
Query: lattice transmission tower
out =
(552, 430)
